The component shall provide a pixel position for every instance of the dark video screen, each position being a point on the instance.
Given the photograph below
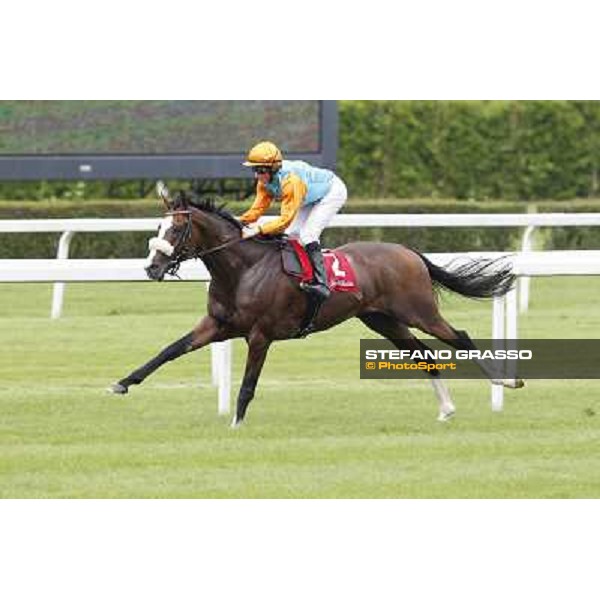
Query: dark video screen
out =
(156, 127)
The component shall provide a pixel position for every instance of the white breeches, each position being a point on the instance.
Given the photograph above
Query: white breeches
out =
(313, 218)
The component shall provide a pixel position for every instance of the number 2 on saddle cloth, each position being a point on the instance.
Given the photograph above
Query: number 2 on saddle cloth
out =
(340, 274)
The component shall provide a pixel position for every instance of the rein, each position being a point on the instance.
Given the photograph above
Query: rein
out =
(219, 247)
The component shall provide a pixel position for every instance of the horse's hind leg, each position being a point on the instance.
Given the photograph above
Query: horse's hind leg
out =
(204, 333)
(400, 336)
(460, 340)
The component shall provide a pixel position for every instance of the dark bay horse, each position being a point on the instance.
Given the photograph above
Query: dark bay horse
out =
(251, 297)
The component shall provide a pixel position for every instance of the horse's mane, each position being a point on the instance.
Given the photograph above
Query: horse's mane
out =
(209, 204)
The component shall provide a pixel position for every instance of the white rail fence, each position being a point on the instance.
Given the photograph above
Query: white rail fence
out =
(526, 264)
(530, 221)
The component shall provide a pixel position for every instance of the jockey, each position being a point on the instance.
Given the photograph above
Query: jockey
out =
(309, 198)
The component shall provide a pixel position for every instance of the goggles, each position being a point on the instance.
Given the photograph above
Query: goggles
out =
(261, 170)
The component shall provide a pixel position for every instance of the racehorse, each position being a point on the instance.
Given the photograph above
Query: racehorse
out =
(251, 297)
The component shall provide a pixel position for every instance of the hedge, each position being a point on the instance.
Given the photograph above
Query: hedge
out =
(84, 245)
(133, 244)
(518, 150)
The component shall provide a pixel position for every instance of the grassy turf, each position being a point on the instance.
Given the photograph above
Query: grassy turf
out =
(314, 429)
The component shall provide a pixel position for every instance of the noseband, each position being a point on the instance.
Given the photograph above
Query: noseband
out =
(177, 251)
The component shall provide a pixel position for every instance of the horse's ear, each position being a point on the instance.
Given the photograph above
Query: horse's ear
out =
(183, 198)
(163, 193)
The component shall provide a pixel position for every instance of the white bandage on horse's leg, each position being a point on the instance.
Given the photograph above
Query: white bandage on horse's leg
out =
(446, 405)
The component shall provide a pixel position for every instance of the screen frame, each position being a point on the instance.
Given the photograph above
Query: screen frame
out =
(172, 166)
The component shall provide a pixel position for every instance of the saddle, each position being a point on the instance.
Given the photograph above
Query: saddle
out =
(340, 273)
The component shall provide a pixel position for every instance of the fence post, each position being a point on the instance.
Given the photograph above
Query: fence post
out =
(220, 368)
(525, 282)
(498, 330)
(511, 330)
(225, 377)
(58, 291)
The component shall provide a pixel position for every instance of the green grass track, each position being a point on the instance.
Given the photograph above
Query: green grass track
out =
(314, 429)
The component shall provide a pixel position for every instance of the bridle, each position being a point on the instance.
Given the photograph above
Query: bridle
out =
(181, 253)
(186, 234)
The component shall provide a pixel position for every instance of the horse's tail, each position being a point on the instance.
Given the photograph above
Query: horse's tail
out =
(482, 278)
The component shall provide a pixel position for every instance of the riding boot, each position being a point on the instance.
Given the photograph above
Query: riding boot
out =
(318, 286)
(317, 290)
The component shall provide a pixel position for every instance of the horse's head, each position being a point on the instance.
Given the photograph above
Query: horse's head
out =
(189, 229)
(172, 245)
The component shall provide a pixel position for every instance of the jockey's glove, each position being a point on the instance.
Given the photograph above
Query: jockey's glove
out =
(250, 231)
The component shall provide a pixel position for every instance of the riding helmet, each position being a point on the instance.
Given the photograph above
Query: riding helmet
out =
(264, 154)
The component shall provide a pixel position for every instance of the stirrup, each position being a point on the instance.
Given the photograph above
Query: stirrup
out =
(317, 289)
(302, 333)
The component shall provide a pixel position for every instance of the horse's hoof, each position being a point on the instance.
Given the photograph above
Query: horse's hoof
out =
(117, 388)
(445, 417)
(514, 384)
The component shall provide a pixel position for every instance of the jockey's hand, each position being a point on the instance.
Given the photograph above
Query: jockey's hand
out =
(250, 231)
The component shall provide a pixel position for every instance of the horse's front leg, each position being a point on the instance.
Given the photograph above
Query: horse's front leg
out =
(204, 333)
(258, 346)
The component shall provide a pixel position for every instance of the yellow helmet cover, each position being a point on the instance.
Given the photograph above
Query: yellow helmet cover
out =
(264, 154)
